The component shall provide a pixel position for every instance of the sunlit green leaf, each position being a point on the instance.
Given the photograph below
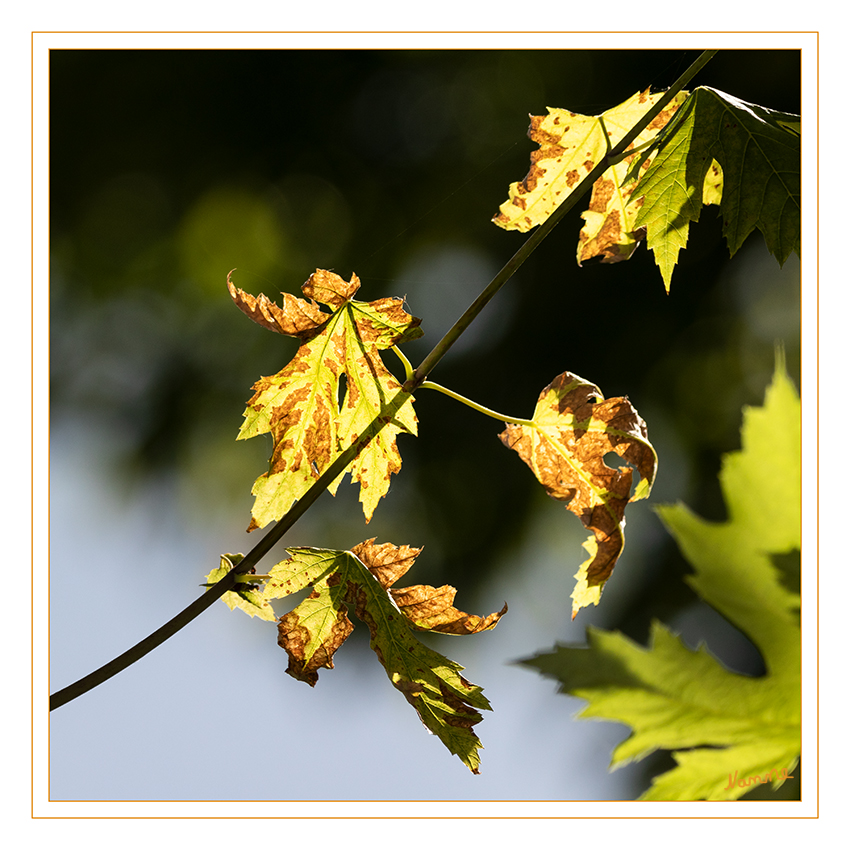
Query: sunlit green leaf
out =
(758, 152)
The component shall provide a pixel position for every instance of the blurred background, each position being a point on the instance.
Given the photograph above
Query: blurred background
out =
(169, 169)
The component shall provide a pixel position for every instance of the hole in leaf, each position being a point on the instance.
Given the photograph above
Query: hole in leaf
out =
(343, 386)
(613, 460)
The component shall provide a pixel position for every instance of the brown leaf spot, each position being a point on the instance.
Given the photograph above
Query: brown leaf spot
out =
(603, 191)
(294, 638)
(664, 116)
(529, 183)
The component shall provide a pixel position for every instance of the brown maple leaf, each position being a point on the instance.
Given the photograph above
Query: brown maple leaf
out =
(565, 444)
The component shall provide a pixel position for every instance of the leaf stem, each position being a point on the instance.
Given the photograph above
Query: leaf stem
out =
(408, 366)
(431, 385)
(416, 379)
(615, 160)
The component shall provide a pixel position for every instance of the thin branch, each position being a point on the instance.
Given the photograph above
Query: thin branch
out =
(143, 647)
(414, 381)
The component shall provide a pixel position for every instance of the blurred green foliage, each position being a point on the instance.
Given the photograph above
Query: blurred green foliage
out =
(169, 168)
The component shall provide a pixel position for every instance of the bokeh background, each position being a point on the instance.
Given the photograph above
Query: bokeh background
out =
(169, 169)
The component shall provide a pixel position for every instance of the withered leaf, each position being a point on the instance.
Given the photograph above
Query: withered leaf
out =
(431, 609)
(297, 317)
(446, 702)
(299, 405)
(572, 430)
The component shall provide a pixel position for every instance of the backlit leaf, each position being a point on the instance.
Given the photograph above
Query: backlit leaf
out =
(447, 704)
(610, 231)
(571, 145)
(758, 152)
(246, 597)
(572, 430)
(299, 405)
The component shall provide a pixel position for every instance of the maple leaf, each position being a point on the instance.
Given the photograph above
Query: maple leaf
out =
(571, 145)
(299, 405)
(728, 731)
(565, 443)
(758, 152)
(448, 705)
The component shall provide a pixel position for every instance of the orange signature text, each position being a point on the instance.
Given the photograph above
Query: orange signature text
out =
(758, 779)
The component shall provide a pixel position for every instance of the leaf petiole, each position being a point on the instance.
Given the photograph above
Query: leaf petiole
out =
(615, 160)
(431, 385)
(408, 366)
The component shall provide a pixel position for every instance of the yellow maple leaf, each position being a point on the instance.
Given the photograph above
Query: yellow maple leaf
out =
(571, 145)
(299, 405)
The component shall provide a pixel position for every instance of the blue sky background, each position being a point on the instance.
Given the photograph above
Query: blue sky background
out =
(211, 714)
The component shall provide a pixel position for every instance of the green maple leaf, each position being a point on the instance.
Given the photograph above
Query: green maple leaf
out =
(727, 731)
(758, 151)
(299, 405)
(448, 705)
(574, 427)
